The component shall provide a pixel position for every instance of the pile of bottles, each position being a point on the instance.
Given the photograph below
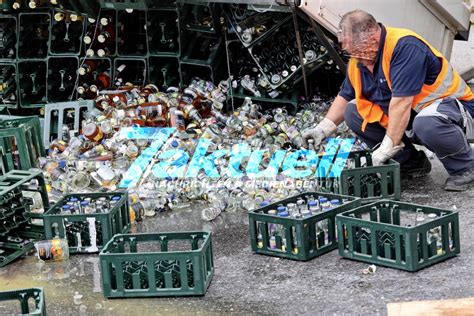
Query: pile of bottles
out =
(98, 157)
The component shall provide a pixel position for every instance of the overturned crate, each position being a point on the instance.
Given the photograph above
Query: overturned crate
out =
(302, 238)
(62, 117)
(31, 301)
(398, 235)
(157, 264)
(360, 178)
(20, 140)
(20, 193)
(88, 221)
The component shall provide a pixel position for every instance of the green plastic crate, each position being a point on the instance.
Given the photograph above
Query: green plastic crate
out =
(303, 238)
(182, 264)
(23, 296)
(366, 181)
(57, 115)
(9, 252)
(17, 233)
(163, 33)
(389, 233)
(8, 85)
(135, 70)
(26, 71)
(32, 42)
(116, 221)
(17, 180)
(25, 135)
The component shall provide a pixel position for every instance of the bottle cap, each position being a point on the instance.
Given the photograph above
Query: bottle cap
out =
(174, 143)
(335, 201)
(312, 203)
(84, 203)
(323, 200)
(281, 209)
(264, 203)
(284, 214)
(62, 164)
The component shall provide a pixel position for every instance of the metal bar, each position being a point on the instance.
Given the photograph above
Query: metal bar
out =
(322, 37)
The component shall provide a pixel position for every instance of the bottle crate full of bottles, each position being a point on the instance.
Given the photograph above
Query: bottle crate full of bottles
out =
(88, 221)
(360, 178)
(22, 198)
(301, 227)
(398, 235)
(157, 264)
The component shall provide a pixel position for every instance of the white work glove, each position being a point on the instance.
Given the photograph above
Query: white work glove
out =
(385, 151)
(324, 129)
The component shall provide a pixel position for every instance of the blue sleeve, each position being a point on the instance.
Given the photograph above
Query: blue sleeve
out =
(347, 91)
(409, 66)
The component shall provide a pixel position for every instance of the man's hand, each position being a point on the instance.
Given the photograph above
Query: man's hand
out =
(324, 129)
(385, 151)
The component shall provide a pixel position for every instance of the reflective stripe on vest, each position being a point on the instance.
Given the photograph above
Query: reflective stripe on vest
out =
(447, 84)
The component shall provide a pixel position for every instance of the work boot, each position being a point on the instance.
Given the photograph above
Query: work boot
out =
(417, 166)
(460, 182)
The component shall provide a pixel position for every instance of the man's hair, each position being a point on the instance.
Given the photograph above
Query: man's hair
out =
(358, 21)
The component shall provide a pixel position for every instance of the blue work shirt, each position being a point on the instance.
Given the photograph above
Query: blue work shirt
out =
(413, 65)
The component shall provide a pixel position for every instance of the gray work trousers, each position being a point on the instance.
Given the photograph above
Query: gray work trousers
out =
(438, 127)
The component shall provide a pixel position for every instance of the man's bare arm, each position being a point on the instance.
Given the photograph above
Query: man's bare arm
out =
(399, 113)
(337, 109)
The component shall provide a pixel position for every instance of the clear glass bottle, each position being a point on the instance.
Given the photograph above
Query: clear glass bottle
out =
(313, 207)
(324, 204)
(335, 203)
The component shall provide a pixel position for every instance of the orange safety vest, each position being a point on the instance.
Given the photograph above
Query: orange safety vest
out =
(448, 82)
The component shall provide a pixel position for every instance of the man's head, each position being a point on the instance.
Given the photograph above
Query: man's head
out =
(359, 35)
